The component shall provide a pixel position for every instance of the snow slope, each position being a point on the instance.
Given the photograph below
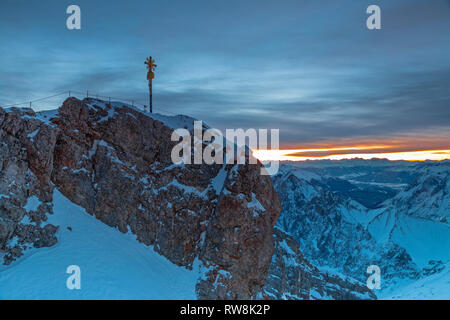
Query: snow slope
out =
(424, 240)
(113, 265)
(433, 287)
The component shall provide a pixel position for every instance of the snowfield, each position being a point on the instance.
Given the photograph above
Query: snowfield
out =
(113, 265)
(424, 240)
(433, 287)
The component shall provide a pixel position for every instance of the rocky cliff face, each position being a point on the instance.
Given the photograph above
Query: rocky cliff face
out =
(114, 161)
(25, 198)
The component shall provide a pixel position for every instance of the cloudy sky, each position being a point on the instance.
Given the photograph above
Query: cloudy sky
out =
(310, 68)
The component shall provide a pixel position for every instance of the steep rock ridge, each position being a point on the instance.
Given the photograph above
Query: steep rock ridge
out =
(292, 277)
(115, 162)
(25, 198)
(239, 225)
(331, 229)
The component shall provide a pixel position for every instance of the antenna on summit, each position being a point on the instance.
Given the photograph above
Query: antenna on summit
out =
(150, 76)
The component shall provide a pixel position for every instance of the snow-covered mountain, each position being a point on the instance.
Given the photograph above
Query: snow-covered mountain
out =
(293, 277)
(336, 229)
(428, 195)
(417, 217)
(115, 162)
(93, 185)
(330, 228)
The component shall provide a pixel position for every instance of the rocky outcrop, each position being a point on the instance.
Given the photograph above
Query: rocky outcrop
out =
(114, 161)
(247, 208)
(25, 198)
(292, 277)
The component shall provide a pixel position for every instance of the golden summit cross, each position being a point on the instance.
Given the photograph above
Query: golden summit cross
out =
(150, 76)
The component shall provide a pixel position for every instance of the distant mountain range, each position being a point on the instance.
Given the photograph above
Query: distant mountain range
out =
(350, 214)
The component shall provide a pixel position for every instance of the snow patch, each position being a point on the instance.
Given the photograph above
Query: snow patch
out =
(33, 204)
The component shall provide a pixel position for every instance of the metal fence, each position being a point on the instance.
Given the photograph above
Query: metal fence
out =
(36, 103)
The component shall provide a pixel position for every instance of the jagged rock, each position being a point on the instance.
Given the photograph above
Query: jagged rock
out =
(24, 198)
(236, 229)
(433, 267)
(293, 277)
(115, 161)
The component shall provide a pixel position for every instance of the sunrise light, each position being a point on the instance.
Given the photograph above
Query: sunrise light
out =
(296, 154)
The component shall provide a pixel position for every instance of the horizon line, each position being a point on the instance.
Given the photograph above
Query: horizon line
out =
(295, 154)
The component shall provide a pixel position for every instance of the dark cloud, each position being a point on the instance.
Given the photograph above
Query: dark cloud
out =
(309, 68)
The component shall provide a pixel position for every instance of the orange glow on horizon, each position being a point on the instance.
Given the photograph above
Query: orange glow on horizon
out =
(293, 154)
